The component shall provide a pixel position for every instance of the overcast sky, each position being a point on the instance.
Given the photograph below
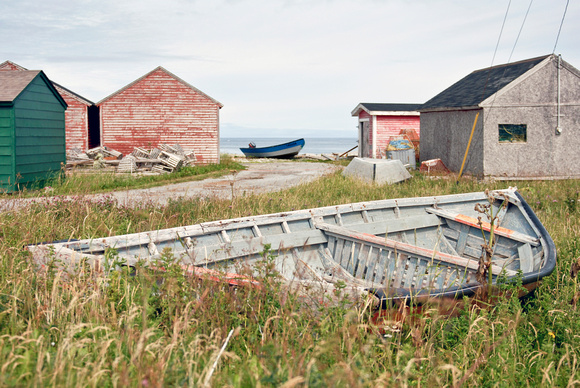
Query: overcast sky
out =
(282, 68)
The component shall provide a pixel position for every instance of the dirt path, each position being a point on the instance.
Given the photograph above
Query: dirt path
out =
(259, 177)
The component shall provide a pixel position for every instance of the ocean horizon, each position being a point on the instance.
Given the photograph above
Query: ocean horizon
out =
(313, 145)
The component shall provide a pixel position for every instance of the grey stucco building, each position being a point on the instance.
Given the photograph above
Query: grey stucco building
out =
(528, 124)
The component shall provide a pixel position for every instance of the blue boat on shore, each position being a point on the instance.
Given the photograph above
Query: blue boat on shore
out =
(280, 151)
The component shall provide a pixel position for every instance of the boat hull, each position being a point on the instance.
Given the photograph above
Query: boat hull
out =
(280, 151)
(396, 249)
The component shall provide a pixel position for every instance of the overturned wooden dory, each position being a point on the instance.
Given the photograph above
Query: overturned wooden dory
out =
(393, 248)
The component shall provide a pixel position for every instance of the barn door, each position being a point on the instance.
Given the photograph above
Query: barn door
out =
(364, 139)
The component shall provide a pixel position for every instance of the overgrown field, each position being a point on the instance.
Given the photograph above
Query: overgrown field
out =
(129, 329)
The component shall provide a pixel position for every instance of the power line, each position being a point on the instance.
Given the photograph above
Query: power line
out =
(560, 29)
(521, 28)
(496, 47)
(500, 32)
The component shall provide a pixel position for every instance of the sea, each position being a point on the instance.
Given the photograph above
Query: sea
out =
(313, 145)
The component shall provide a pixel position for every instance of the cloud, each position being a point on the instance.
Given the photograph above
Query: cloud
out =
(280, 64)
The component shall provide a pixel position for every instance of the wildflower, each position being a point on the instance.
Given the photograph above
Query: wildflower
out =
(551, 334)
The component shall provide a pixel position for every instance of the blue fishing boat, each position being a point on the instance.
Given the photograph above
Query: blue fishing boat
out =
(280, 151)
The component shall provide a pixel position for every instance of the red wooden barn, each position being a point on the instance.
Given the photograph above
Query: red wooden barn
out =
(378, 123)
(161, 108)
(76, 115)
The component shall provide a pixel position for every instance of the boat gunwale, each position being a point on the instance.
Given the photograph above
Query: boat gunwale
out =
(272, 218)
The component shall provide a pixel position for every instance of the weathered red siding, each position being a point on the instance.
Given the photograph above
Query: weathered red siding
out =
(76, 120)
(160, 108)
(388, 126)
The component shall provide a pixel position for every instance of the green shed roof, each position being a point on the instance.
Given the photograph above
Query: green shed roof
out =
(12, 83)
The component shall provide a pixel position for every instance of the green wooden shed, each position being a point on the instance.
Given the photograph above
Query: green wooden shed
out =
(32, 130)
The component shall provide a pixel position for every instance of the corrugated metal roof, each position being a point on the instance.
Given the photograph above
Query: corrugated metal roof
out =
(471, 90)
(12, 83)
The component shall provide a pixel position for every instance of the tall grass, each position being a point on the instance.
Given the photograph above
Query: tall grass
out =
(141, 328)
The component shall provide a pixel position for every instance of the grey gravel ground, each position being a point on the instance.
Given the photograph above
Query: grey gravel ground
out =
(259, 177)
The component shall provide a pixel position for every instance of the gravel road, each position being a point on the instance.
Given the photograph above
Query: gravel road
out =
(259, 177)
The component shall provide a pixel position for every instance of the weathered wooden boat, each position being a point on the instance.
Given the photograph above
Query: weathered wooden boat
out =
(393, 248)
(279, 151)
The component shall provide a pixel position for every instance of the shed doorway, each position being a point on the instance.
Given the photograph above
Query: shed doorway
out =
(94, 123)
(363, 138)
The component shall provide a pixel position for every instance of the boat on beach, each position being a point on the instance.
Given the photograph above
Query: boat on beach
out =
(393, 249)
(280, 151)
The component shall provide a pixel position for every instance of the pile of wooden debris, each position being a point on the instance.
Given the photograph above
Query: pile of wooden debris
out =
(162, 160)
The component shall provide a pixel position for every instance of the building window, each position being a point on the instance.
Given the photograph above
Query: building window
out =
(512, 133)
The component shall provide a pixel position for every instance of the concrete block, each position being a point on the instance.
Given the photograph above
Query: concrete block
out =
(377, 170)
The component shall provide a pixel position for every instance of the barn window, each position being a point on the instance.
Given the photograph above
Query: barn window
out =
(512, 133)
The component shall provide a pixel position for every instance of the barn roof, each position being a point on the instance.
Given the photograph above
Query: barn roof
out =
(167, 72)
(14, 82)
(386, 109)
(473, 89)
(72, 94)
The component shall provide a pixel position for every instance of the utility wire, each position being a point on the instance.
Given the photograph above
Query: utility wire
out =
(519, 33)
(500, 32)
(560, 29)
(496, 47)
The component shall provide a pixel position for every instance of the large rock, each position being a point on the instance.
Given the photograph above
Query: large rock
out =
(377, 170)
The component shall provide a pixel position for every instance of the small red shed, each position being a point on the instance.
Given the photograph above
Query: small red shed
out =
(76, 115)
(161, 108)
(378, 123)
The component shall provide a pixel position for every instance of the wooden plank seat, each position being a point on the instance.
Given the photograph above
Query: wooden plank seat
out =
(411, 250)
(397, 224)
(486, 226)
